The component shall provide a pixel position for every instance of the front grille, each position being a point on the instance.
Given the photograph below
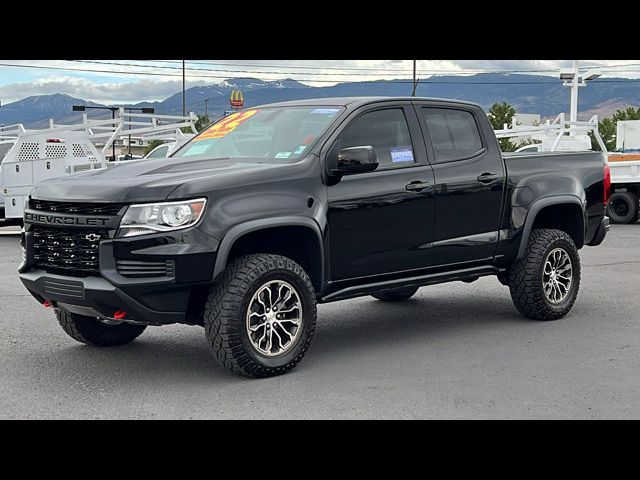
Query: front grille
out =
(77, 208)
(143, 268)
(66, 251)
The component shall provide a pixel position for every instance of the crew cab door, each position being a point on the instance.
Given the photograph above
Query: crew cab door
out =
(381, 222)
(470, 181)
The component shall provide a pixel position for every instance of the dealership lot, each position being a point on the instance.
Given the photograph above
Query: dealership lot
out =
(453, 351)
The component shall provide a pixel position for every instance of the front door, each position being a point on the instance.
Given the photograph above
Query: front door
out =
(381, 222)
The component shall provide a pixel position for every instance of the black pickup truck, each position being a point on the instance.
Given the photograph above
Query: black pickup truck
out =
(276, 208)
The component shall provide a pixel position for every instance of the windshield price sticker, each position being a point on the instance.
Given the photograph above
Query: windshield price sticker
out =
(401, 155)
(226, 125)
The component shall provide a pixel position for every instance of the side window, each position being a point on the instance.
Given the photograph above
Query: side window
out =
(454, 133)
(160, 152)
(386, 131)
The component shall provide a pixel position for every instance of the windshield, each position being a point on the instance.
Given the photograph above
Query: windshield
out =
(267, 133)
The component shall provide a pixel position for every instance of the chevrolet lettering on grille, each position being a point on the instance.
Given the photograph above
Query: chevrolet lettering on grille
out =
(69, 220)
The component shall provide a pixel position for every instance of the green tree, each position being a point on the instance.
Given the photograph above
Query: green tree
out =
(499, 114)
(202, 123)
(152, 144)
(607, 127)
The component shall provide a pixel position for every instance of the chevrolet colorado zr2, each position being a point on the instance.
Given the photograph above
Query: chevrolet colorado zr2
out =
(276, 208)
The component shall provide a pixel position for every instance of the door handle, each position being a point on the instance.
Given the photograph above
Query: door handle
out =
(487, 177)
(416, 186)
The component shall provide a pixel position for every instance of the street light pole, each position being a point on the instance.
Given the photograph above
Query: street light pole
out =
(575, 84)
(413, 94)
(206, 112)
(574, 79)
(113, 144)
(184, 98)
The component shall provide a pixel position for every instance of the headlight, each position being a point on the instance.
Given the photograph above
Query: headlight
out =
(160, 217)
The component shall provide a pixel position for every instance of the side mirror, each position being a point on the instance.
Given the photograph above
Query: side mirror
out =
(356, 160)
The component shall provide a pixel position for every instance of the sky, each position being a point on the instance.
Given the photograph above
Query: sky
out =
(132, 81)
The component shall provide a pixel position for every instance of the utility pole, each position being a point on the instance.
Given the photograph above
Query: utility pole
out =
(415, 84)
(575, 84)
(206, 112)
(184, 98)
(572, 78)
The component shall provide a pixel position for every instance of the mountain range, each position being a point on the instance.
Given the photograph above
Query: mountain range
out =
(527, 93)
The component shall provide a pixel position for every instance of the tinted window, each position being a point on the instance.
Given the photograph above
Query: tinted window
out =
(454, 133)
(384, 130)
(4, 149)
(160, 152)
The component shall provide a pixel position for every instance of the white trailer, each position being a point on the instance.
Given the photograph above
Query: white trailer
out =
(36, 155)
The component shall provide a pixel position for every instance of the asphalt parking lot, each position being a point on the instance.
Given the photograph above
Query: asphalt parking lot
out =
(453, 351)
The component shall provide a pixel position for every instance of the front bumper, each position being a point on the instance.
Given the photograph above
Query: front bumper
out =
(603, 228)
(153, 300)
(98, 295)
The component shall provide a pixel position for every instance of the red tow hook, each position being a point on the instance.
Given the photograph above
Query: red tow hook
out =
(119, 315)
(47, 304)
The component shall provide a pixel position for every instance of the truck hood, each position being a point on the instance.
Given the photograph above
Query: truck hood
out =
(145, 181)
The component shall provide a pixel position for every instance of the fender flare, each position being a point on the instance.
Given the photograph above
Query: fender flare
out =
(238, 231)
(535, 208)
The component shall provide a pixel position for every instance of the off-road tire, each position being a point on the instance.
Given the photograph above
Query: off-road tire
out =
(525, 276)
(227, 304)
(91, 331)
(632, 211)
(396, 295)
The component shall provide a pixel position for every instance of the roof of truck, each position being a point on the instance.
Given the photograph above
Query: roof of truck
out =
(356, 101)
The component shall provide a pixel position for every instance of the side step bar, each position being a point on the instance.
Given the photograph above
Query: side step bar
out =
(465, 274)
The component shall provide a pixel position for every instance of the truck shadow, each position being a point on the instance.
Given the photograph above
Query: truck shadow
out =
(357, 327)
(427, 319)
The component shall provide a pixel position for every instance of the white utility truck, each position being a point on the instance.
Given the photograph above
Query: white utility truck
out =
(31, 156)
(624, 205)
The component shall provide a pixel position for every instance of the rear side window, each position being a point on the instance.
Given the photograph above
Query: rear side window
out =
(386, 131)
(160, 152)
(454, 133)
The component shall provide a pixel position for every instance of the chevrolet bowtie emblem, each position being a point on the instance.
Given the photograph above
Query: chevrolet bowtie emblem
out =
(92, 237)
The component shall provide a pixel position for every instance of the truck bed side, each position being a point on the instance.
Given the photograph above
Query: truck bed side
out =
(547, 190)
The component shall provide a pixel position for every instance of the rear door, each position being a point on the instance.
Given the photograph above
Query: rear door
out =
(470, 181)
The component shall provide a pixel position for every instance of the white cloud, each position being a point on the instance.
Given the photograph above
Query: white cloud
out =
(133, 86)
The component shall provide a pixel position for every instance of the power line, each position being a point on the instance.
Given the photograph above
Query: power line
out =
(311, 80)
(342, 68)
(264, 72)
(278, 73)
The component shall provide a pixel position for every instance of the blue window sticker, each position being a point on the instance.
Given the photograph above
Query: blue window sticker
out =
(325, 111)
(299, 150)
(283, 155)
(401, 154)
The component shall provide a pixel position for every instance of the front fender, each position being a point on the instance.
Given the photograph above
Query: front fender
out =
(238, 231)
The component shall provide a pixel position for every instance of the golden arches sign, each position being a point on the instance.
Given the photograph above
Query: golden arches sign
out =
(236, 99)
